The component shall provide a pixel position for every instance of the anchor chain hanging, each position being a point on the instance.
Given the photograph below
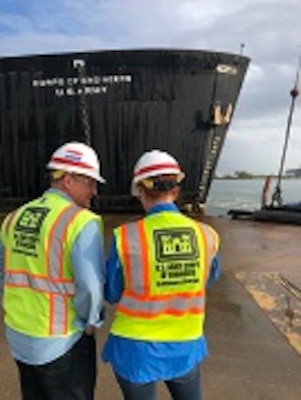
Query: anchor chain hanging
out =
(80, 66)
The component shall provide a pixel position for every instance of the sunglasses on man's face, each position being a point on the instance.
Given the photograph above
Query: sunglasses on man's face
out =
(89, 182)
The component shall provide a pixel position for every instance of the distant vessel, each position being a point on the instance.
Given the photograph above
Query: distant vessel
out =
(123, 103)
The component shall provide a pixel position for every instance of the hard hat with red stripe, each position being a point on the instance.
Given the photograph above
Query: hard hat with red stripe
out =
(155, 163)
(77, 158)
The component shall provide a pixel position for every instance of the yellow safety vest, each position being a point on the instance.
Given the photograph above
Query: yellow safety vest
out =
(166, 258)
(38, 283)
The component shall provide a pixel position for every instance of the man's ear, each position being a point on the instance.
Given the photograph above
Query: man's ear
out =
(67, 181)
(176, 192)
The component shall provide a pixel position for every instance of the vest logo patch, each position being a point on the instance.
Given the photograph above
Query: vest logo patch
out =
(31, 219)
(178, 244)
(27, 230)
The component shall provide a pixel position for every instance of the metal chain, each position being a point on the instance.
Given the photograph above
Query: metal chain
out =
(80, 66)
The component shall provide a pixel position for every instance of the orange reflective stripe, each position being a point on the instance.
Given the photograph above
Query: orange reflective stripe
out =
(56, 239)
(58, 293)
(145, 314)
(169, 311)
(58, 313)
(51, 313)
(57, 236)
(162, 296)
(174, 306)
(144, 255)
(75, 212)
(65, 325)
(53, 283)
(134, 249)
(40, 283)
(137, 299)
(126, 254)
(51, 240)
(37, 276)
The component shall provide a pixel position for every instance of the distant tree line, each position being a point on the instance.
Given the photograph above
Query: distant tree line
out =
(243, 175)
(247, 175)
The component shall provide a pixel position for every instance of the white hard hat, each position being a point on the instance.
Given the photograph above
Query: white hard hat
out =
(78, 158)
(154, 163)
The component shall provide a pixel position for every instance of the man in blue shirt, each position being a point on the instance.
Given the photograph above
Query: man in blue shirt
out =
(157, 273)
(52, 337)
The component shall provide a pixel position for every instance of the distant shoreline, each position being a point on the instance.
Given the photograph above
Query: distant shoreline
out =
(234, 178)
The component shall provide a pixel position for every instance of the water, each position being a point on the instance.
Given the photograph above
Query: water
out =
(226, 194)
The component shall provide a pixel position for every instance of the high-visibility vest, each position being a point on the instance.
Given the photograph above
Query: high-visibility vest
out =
(38, 280)
(166, 259)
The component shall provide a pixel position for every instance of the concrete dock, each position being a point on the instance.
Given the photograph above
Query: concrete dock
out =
(253, 319)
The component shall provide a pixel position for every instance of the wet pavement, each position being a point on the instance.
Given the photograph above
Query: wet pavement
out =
(253, 319)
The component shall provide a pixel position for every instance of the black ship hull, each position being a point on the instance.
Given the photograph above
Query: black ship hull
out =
(124, 103)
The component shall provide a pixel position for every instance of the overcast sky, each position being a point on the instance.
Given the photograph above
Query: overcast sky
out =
(270, 31)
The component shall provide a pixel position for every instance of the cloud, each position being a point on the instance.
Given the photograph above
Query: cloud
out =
(269, 30)
(36, 43)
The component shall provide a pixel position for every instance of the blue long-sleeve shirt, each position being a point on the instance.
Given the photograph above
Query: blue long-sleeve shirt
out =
(141, 361)
(87, 258)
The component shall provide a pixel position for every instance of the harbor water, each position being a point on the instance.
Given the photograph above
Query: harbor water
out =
(226, 194)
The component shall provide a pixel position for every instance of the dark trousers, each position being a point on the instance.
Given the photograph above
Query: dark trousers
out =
(70, 377)
(186, 387)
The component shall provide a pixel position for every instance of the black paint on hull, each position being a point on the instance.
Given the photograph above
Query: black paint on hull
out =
(180, 101)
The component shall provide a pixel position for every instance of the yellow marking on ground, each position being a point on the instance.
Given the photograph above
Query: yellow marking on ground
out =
(295, 340)
(278, 301)
(265, 300)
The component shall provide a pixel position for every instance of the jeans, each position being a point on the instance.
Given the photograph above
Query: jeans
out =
(70, 377)
(186, 387)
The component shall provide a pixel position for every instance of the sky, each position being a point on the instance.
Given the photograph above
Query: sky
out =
(269, 30)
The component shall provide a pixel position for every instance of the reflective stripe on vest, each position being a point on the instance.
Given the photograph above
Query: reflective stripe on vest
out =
(174, 305)
(22, 279)
(56, 238)
(53, 284)
(134, 235)
(139, 302)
